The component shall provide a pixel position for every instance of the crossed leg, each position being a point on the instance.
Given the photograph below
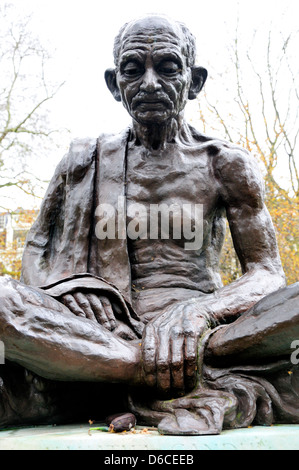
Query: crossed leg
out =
(41, 334)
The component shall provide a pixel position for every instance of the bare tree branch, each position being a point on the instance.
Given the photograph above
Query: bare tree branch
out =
(25, 93)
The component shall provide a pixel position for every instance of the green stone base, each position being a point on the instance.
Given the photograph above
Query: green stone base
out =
(80, 437)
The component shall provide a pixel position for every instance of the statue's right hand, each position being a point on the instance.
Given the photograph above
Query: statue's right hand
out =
(91, 306)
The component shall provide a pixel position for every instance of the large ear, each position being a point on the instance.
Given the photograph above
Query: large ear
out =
(110, 78)
(199, 76)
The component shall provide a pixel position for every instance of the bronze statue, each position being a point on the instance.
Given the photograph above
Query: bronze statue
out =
(115, 313)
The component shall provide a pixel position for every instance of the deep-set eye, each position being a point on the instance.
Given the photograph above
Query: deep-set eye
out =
(132, 69)
(169, 68)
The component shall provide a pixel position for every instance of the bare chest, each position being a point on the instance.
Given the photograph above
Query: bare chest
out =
(171, 178)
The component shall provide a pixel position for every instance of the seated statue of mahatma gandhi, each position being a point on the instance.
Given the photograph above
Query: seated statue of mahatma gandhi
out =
(120, 306)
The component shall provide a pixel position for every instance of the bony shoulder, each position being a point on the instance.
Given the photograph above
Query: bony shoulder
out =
(227, 150)
(220, 148)
(232, 159)
(238, 174)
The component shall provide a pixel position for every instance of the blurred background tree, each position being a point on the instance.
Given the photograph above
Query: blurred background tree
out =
(263, 118)
(25, 132)
(25, 91)
(258, 109)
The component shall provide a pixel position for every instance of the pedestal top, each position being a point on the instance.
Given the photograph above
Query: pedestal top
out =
(81, 437)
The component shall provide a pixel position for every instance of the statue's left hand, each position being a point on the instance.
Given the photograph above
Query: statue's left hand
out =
(170, 347)
(93, 307)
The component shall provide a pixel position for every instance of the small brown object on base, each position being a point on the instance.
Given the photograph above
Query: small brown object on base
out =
(121, 422)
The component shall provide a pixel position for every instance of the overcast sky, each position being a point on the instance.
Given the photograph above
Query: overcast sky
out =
(81, 34)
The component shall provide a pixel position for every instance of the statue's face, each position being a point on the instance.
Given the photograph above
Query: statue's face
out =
(153, 77)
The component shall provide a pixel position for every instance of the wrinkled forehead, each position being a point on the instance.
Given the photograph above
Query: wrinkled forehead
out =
(153, 33)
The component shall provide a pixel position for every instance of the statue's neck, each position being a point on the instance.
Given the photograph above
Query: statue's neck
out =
(156, 136)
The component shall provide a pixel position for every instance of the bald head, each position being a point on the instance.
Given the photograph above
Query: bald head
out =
(157, 28)
(155, 56)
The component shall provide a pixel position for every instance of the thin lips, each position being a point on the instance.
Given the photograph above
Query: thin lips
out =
(150, 100)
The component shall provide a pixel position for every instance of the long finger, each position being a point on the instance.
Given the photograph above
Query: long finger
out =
(163, 363)
(192, 332)
(149, 355)
(177, 363)
(99, 311)
(190, 362)
(83, 302)
(72, 305)
(109, 311)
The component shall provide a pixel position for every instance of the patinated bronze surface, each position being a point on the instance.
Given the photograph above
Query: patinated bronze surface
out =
(105, 324)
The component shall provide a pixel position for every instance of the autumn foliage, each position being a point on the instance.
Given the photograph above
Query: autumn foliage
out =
(263, 118)
(261, 115)
(11, 250)
(283, 208)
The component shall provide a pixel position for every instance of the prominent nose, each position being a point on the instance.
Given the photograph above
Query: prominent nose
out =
(150, 82)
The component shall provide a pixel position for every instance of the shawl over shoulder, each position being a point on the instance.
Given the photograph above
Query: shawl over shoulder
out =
(62, 242)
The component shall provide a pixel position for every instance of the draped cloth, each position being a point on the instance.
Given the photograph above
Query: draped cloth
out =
(245, 372)
(62, 252)
(62, 241)
(248, 374)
